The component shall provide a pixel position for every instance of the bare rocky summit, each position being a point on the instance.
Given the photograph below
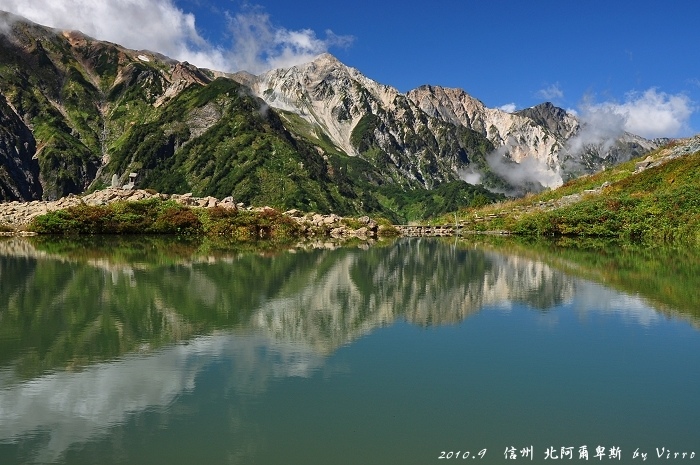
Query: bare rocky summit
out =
(361, 115)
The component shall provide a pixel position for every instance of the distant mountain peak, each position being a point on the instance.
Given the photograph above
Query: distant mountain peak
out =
(546, 114)
(341, 101)
(544, 109)
(326, 57)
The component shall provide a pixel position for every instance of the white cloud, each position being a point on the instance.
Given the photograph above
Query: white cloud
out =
(656, 114)
(259, 45)
(470, 176)
(648, 114)
(75, 407)
(551, 92)
(508, 107)
(601, 126)
(160, 26)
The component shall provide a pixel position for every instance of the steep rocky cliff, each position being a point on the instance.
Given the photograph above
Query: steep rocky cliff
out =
(71, 98)
(435, 133)
(523, 132)
(373, 121)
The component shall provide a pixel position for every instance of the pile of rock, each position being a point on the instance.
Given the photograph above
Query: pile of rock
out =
(17, 215)
(674, 150)
(446, 230)
(204, 202)
(315, 224)
(686, 147)
(113, 194)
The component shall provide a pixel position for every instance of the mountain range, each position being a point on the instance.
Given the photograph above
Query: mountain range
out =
(75, 112)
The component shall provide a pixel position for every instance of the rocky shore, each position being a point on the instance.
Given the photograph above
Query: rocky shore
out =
(15, 217)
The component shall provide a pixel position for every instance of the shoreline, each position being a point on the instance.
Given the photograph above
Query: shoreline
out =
(16, 217)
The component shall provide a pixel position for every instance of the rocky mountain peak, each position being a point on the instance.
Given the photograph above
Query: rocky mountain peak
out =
(327, 60)
(555, 119)
(324, 92)
(342, 102)
(182, 75)
(189, 73)
(517, 136)
(75, 38)
(451, 104)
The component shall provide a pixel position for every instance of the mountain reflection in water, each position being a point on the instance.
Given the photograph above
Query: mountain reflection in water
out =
(90, 338)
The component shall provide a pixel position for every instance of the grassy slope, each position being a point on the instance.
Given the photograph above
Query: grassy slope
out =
(658, 204)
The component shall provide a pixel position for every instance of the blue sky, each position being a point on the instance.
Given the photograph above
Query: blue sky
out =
(635, 59)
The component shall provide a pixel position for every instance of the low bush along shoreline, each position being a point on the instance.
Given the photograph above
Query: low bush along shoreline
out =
(157, 216)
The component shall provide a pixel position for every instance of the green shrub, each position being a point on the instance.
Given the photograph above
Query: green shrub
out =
(145, 216)
(155, 216)
(56, 222)
(268, 224)
(173, 220)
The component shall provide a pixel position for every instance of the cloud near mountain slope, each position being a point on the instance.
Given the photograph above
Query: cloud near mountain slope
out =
(159, 25)
(154, 25)
(650, 113)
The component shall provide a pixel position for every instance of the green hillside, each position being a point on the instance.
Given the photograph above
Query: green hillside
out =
(654, 199)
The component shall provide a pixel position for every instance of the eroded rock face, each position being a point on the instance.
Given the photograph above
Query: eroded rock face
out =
(422, 132)
(540, 132)
(370, 120)
(325, 92)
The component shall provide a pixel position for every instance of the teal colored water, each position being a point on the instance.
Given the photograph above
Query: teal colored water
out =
(152, 351)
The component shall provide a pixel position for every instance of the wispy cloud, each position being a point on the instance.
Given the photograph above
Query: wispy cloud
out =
(259, 45)
(470, 176)
(530, 173)
(649, 114)
(601, 126)
(551, 93)
(160, 26)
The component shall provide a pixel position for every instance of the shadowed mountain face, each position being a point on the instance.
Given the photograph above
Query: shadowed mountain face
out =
(323, 137)
(19, 170)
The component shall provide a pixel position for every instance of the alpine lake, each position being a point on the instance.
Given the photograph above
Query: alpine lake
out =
(152, 350)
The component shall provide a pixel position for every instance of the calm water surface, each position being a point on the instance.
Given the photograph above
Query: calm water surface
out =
(155, 351)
